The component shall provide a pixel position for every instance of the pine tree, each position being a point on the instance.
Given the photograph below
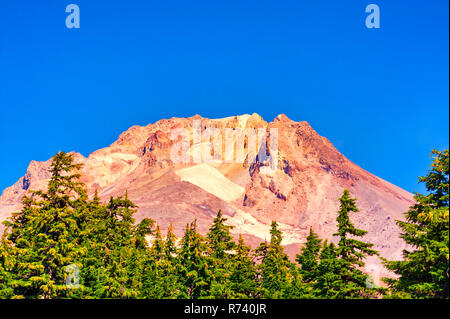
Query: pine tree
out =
(170, 248)
(219, 237)
(46, 234)
(169, 267)
(424, 270)
(61, 236)
(351, 252)
(308, 258)
(194, 264)
(160, 278)
(297, 288)
(6, 291)
(116, 248)
(220, 243)
(157, 249)
(140, 231)
(275, 267)
(329, 284)
(243, 274)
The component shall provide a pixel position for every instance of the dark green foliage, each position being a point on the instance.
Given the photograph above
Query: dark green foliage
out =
(328, 282)
(64, 245)
(219, 238)
(6, 290)
(160, 273)
(243, 274)
(59, 232)
(424, 270)
(194, 265)
(220, 245)
(335, 272)
(351, 251)
(45, 236)
(275, 266)
(308, 258)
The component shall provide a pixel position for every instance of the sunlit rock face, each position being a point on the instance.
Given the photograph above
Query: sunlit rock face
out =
(299, 192)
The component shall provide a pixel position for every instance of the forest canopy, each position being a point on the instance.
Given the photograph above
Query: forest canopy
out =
(63, 244)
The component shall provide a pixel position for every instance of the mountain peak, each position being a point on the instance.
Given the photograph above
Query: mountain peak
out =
(302, 191)
(282, 118)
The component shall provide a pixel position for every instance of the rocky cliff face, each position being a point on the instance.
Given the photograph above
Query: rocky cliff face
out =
(302, 191)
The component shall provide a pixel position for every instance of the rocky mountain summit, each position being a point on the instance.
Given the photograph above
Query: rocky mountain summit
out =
(301, 192)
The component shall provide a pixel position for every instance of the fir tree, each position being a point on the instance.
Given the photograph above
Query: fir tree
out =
(61, 228)
(219, 237)
(243, 275)
(116, 248)
(46, 234)
(6, 291)
(329, 283)
(297, 288)
(220, 243)
(275, 267)
(170, 248)
(169, 267)
(140, 231)
(194, 264)
(424, 270)
(157, 249)
(308, 258)
(351, 251)
(160, 278)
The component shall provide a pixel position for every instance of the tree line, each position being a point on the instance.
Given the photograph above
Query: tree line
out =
(64, 245)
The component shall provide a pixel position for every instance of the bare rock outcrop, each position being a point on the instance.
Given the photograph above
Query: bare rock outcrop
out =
(303, 191)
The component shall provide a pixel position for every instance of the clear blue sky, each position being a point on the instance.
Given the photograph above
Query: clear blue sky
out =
(380, 95)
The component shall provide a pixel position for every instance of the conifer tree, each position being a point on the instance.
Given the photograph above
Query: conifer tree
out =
(169, 267)
(308, 258)
(158, 245)
(275, 266)
(219, 237)
(170, 248)
(6, 291)
(160, 278)
(194, 264)
(297, 288)
(117, 250)
(424, 270)
(220, 243)
(46, 233)
(351, 251)
(259, 255)
(140, 231)
(60, 228)
(243, 274)
(328, 283)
